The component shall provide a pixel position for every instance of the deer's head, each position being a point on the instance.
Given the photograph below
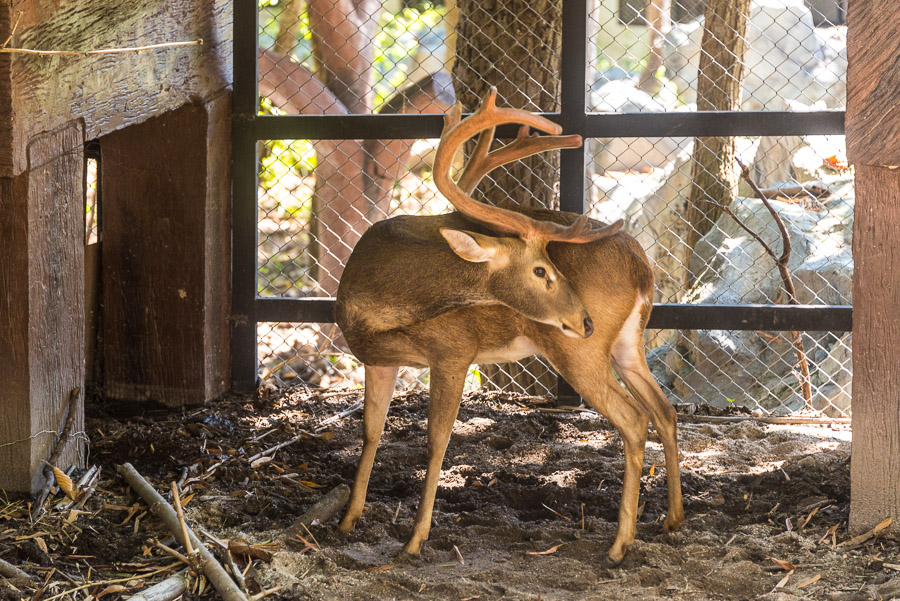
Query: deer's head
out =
(520, 272)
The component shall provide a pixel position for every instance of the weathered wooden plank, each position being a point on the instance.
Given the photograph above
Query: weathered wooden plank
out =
(873, 83)
(165, 256)
(875, 462)
(41, 308)
(109, 91)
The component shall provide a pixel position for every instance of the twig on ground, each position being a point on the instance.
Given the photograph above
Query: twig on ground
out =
(211, 567)
(8, 570)
(721, 419)
(326, 507)
(167, 590)
(57, 451)
(336, 418)
(184, 527)
(271, 591)
(170, 551)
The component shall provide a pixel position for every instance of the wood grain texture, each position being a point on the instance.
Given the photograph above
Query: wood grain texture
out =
(109, 91)
(42, 308)
(875, 462)
(165, 256)
(873, 83)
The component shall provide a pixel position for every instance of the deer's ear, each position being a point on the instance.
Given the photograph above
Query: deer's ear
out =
(470, 246)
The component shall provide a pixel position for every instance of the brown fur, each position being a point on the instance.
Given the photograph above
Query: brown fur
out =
(407, 299)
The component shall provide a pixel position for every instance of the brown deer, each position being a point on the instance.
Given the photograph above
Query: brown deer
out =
(486, 285)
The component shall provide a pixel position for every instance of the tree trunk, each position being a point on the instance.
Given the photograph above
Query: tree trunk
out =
(714, 174)
(514, 45)
(659, 22)
(289, 25)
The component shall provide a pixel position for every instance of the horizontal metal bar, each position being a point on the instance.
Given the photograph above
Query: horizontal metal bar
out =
(714, 123)
(772, 318)
(295, 310)
(596, 125)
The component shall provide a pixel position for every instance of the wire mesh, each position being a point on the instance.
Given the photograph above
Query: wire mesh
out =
(316, 198)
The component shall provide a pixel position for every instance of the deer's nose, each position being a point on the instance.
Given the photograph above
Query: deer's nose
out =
(588, 327)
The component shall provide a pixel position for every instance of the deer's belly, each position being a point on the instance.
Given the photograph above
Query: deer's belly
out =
(519, 348)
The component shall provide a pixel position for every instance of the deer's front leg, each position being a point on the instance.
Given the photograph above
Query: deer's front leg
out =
(446, 393)
(379, 389)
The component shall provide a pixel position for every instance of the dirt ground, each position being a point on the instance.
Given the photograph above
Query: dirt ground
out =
(526, 507)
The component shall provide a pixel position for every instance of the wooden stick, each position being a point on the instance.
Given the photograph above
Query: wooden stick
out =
(723, 419)
(167, 590)
(8, 570)
(211, 568)
(184, 527)
(135, 49)
(326, 507)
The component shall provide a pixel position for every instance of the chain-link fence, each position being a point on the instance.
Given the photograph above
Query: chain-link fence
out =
(342, 57)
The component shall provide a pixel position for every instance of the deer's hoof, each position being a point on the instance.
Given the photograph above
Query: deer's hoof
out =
(673, 523)
(346, 526)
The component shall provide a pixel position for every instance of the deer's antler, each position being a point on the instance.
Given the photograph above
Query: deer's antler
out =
(484, 122)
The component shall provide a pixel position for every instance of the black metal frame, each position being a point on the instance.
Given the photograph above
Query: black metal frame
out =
(248, 128)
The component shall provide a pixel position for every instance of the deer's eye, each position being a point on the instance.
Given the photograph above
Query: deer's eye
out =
(540, 272)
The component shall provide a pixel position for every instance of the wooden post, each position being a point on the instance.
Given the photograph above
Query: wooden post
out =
(41, 306)
(873, 146)
(166, 256)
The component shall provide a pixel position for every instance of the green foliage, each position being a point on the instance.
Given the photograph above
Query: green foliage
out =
(396, 43)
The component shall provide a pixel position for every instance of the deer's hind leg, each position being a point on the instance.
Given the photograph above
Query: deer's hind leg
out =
(592, 377)
(377, 399)
(445, 391)
(630, 362)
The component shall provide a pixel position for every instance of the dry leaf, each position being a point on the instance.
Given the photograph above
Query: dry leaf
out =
(65, 483)
(784, 565)
(259, 462)
(380, 568)
(310, 484)
(858, 540)
(784, 580)
(422, 587)
(549, 551)
(808, 518)
(326, 436)
(718, 500)
(40, 543)
(809, 581)
(652, 469)
(112, 588)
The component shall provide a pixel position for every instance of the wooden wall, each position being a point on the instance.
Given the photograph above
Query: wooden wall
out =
(108, 91)
(170, 237)
(873, 146)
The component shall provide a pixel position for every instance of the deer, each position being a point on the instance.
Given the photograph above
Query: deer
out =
(487, 284)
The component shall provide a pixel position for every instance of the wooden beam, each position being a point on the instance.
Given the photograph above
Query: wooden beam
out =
(873, 83)
(108, 91)
(873, 145)
(41, 306)
(165, 256)
(875, 461)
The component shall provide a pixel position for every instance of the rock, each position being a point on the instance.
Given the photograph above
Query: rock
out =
(630, 154)
(752, 369)
(786, 57)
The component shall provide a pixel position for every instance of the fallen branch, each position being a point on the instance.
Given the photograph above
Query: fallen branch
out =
(8, 570)
(326, 507)
(160, 508)
(800, 190)
(170, 588)
(797, 421)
